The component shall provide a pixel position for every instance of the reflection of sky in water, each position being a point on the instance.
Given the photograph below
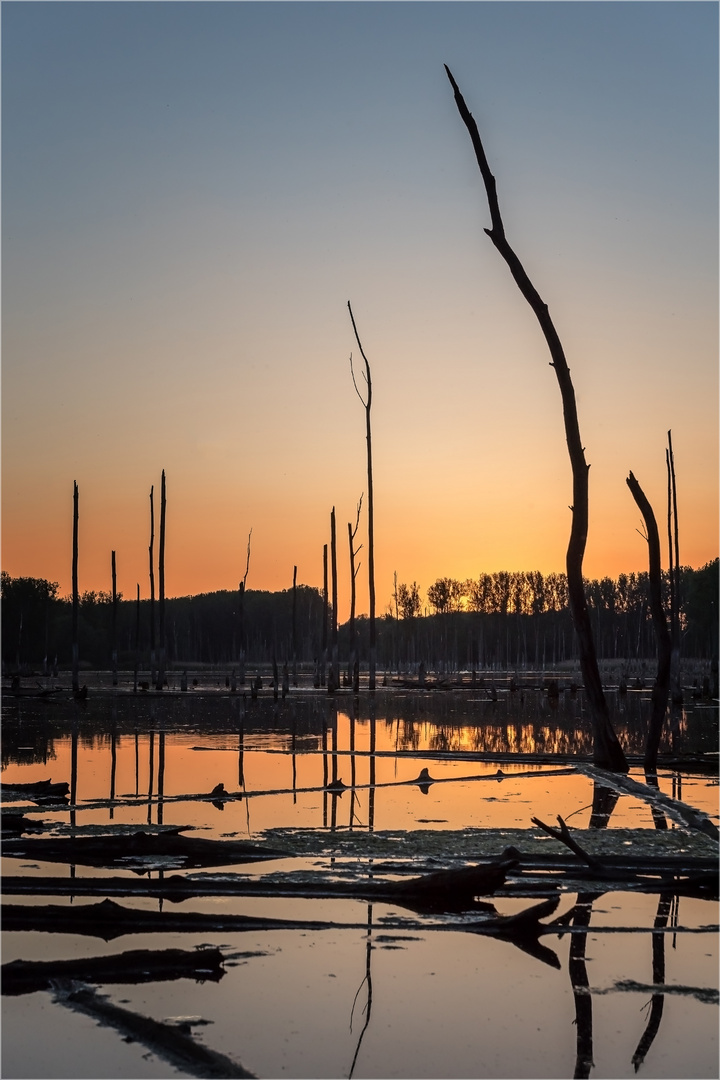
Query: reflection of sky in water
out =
(294, 751)
(444, 1003)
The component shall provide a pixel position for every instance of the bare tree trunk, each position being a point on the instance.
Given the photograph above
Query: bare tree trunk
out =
(152, 590)
(114, 622)
(323, 660)
(241, 616)
(352, 664)
(294, 628)
(334, 624)
(661, 689)
(241, 633)
(371, 520)
(76, 597)
(161, 586)
(607, 751)
(137, 640)
(677, 695)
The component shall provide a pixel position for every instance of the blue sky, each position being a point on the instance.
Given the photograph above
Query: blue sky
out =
(193, 191)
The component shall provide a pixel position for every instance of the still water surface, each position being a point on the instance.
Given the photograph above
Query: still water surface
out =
(366, 998)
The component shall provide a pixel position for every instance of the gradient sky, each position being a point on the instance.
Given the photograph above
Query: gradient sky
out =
(193, 191)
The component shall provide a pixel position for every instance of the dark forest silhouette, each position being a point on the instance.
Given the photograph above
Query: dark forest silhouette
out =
(503, 620)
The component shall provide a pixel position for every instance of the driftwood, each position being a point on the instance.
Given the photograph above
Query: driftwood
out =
(108, 920)
(679, 811)
(109, 851)
(704, 882)
(137, 966)
(41, 789)
(168, 1041)
(16, 823)
(445, 890)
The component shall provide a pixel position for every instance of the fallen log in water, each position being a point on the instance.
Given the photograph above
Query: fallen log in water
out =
(108, 920)
(14, 823)
(446, 890)
(139, 848)
(166, 1040)
(678, 811)
(700, 882)
(136, 966)
(41, 789)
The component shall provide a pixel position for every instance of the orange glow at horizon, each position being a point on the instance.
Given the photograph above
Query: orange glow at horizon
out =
(179, 252)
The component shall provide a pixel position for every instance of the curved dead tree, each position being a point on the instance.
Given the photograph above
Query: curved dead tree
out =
(607, 750)
(661, 689)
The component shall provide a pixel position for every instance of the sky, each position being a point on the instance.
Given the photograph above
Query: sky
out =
(192, 193)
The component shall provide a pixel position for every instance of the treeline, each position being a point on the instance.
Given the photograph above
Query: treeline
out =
(501, 620)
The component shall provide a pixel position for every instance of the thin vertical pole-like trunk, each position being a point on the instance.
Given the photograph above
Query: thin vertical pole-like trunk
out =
(241, 616)
(161, 776)
(241, 633)
(294, 628)
(367, 402)
(675, 621)
(353, 667)
(75, 596)
(607, 751)
(323, 662)
(161, 588)
(114, 622)
(661, 688)
(152, 590)
(671, 562)
(334, 624)
(137, 640)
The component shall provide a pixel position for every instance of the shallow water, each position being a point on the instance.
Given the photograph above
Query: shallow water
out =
(396, 993)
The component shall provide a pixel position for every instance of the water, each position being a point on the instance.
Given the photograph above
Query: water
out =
(384, 991)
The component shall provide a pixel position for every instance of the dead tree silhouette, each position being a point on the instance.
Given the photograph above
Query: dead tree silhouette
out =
(607, 751)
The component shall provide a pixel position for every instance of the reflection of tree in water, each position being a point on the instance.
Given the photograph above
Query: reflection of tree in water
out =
(665, 902)
(604, 802)
(366, 980)
(522, 720)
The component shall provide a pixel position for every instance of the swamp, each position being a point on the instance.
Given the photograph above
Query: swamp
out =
(420, 882)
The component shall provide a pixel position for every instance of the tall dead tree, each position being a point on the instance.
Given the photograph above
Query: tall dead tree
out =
(353, 667)
(114, 622)
(674, 574)
(137, 640)
(607, 752)
(334, 624)
(367, 403)
(152, 589)
(294, 628)
(161, 588)
(323, 663)
(241, 616)
(75, 596)
(661, 688)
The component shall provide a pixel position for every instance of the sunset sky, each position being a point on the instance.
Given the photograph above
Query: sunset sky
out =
(192, 192)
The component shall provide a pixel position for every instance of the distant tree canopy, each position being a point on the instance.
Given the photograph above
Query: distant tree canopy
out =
(500, 619)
